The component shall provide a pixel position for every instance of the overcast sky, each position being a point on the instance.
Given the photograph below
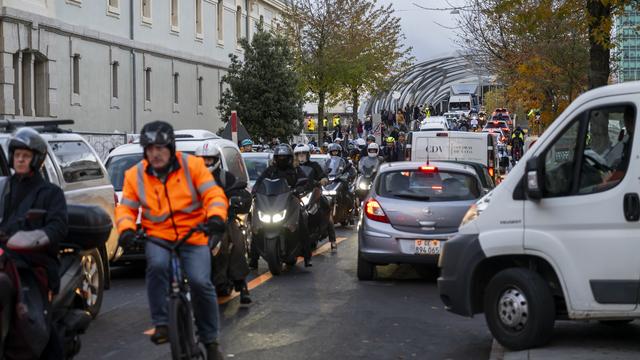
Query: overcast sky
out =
(428, 39)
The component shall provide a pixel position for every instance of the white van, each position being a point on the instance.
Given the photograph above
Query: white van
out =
(560, 237)
(453, 145)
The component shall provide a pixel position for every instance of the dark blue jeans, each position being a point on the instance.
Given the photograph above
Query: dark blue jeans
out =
(196, 261)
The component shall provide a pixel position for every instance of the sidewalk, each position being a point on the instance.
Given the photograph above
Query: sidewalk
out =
(583, 341)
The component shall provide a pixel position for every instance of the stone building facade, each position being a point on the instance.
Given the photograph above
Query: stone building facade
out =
(114, 65)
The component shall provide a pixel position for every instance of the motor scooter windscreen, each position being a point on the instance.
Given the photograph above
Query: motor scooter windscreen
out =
(335, 166)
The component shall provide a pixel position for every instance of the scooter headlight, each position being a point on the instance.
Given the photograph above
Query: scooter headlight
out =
(329, 192)
(306, 199)
(364, 185)
(265, 218)
(278, 217)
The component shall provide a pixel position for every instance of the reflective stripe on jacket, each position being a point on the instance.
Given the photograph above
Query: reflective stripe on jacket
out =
(190, 194)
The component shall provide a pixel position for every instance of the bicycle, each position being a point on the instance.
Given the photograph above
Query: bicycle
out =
(182, 330)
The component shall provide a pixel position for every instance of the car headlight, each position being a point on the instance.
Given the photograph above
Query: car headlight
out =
(476, 209)
(306, 199)
(276, 218)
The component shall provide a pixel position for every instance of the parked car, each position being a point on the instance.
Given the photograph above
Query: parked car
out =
(558, 239)
(73, 164)
(411, 209)
(187, 141)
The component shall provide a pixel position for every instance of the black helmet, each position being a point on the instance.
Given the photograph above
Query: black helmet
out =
(158, 133)
(371, 138)
(29, 139)
(283, 156)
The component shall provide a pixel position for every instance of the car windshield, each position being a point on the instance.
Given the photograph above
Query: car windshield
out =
(428, 186)
(117, 165)
(255, 166)
(273, 187)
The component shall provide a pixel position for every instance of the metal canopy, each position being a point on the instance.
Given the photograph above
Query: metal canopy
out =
(428, 83)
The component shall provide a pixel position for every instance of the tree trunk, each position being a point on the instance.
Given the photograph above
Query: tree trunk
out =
(355, 98)
(321, 100)
(599, 52)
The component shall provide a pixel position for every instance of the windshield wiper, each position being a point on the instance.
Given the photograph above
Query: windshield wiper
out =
(413, 196)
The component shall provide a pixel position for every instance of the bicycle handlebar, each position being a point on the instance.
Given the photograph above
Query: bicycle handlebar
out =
(172, 245)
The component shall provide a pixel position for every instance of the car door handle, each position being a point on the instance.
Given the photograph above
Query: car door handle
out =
(632, 207)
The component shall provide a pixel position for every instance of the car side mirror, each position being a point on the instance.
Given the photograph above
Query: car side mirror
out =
(534, 179)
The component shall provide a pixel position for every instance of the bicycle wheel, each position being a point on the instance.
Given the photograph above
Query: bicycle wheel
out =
(182, 335)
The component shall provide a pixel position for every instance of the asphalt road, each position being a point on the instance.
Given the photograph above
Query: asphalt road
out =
(322, 312)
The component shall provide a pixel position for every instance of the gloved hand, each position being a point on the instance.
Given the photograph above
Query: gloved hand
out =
(215, 225)
(127, 238)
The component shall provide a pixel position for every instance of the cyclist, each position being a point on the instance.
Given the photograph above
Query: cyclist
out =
(27, 190)
(175, 193)
(517, 143)
(231, 263)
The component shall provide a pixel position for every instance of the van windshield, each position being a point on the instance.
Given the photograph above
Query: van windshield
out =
(457, 106)
(423, 186)
(117, 165)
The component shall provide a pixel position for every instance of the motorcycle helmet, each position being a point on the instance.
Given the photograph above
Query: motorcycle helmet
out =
(390, 140)
(283, 156)
(28, 139)
(371, 138)
(302, 152)
(335, 149)
(158, 133)
(361, 143)
(246, 142)
(373, 149)
(211, 155)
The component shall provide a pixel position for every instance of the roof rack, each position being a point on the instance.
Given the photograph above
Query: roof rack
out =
(7, 125)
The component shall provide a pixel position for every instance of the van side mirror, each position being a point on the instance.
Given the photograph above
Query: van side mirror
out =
(534, 179)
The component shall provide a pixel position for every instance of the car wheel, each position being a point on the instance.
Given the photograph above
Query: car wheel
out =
(366, 270)
(92, 289)
(519, 309)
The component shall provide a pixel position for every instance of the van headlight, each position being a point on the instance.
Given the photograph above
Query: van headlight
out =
(306, 199)
(275, 218)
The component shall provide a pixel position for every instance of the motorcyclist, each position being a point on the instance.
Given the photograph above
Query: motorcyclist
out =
(28, 190)
(303, 155)
(175, 192)
(282, 167)
(372, 158)
(364, 151)
(231, 263)
(246, 146)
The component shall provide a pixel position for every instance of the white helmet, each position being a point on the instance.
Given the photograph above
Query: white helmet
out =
(301, 149)
(375, 148)
(209, 150)
(361, 142)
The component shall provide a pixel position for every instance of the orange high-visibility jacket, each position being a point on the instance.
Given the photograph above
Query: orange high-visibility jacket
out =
(190, 194)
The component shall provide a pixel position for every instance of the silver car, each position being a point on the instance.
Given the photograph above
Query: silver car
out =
(411, 209)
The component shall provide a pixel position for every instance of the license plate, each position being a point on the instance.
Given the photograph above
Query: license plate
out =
(427, 247)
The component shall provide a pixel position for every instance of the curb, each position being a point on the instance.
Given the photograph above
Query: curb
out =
(498, 353)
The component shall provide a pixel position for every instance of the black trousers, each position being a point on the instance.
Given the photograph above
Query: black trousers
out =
(6, 302)
(230, 264)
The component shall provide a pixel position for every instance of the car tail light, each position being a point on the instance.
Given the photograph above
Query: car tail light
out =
(428, 169)
(491, 171)
(115, 199)
(374, 211)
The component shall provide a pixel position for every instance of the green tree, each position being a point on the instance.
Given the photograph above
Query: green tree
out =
(371, 49)
(264, 88)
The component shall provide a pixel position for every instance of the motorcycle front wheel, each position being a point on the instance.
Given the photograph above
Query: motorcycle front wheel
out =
(272, 252)
(182, 334)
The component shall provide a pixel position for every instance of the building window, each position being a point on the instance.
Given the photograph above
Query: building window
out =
(176, 86)
(146, 11)
(147, 84)
(200, 95)
(31, 84)
(75, 73)
(262, 20)
(175, 15)
(220, 22)
(113, 6)
(238, 24)
(74, 2)
(199, 19)
(114, 79)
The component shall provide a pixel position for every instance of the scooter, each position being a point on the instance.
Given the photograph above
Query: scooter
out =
(275, 220)
(503, 158)
(339, 191)
(89, 227)
(368, 168)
